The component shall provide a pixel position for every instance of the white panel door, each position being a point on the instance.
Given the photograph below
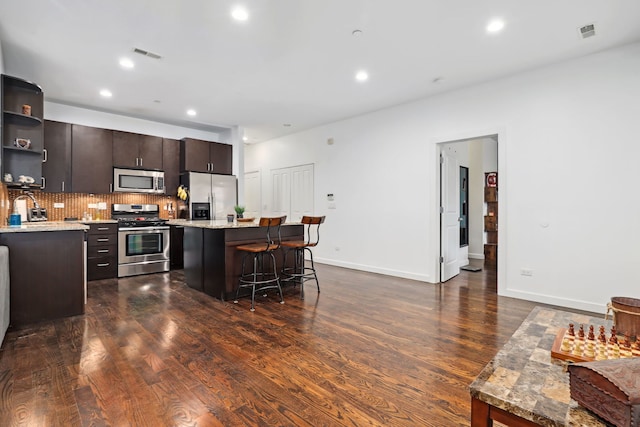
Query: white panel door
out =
(280, 192)
(301, 192)
(450, 217)
(252, 195)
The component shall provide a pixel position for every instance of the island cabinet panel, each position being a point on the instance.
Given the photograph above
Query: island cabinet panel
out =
(56, 167)
(102, 251)
(171, 165)
(46, 282)
(132, 150)
(91, 163)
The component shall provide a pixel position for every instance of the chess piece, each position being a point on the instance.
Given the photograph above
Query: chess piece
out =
(591, 336)
(613, 339)
(581, 332)
(590, 350)
(636, 345)
(602, 337)
(571, 331)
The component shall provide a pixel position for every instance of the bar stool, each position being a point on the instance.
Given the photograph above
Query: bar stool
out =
(260, 279)
(300, 273)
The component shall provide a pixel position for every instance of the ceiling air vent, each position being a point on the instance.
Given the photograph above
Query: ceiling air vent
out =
(587, 31)
(146, 53)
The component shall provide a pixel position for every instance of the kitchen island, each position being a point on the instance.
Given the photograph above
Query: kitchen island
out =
(211, 262)
(46, 270)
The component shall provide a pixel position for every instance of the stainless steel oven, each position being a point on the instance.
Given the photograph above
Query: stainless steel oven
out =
(143, 240)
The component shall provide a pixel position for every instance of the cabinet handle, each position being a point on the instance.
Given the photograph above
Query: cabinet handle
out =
(106, 264)
(110, 188)
(140, 161)
(63, 186)
(45, 157)
(44, 183)
(103, 228)
(102, 240)
(103, 251)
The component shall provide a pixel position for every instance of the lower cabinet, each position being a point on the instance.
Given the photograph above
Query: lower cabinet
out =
(102, 251)
(177, 247)
(47, 275)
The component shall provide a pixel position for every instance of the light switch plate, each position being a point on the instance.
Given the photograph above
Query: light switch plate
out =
(93, 206)
(102, 205)
(58, 205)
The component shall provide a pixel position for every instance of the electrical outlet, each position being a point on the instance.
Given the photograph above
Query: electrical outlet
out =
(58, 205)
(102, 205)
(93, 206)
(526, 272)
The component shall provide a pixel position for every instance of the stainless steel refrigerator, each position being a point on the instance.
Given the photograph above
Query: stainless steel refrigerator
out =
(220, 192)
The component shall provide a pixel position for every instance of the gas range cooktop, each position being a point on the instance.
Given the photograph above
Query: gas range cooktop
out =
(129, 216)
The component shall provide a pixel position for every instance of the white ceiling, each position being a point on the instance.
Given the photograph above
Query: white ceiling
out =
(293, 61)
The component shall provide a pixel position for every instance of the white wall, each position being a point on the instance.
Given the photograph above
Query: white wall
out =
(1, 59)
(86, 117)
(567, 159)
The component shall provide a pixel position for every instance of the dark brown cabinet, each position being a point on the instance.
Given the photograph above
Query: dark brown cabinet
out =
(491, 219)
(203, 156)
(102, 251)
(22, 105)
(91, 163)
(56, 167)
(171, 165)
(47, 275)
(177, 247)
(132, 150)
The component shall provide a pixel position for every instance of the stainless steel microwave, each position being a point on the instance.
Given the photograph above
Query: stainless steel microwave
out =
(138, 181)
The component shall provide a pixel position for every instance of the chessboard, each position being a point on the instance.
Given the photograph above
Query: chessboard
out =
(573, 347)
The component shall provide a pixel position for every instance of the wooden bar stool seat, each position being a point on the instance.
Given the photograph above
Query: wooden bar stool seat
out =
(300, 272)
(261, 277)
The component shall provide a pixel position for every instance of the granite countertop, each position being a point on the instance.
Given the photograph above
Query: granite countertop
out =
(28, 227)
(525, 380)
(218, 224)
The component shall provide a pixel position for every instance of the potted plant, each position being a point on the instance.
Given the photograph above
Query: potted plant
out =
(239, 211)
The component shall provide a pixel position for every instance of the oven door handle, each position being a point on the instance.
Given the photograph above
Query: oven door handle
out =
(150, 229)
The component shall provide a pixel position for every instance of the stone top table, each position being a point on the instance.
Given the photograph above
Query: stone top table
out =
(523, 385)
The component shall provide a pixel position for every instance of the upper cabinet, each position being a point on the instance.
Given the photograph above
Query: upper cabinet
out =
(132, 150)
(22, 105)
(91, 165)
(203, 156)
(171, 164)
(56, 168)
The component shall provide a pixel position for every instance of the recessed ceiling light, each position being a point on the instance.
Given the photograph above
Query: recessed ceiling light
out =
(245, 139)
(495, 26)
(126, 63)
(362, 76)
(191, 112)
(240, 14)
(106, 93)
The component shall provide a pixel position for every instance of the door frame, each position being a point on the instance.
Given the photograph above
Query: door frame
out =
(437, 142)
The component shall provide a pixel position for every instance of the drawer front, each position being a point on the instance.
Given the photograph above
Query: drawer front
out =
(100, 251)
(102, 268)
(102, 228)
(102, 240)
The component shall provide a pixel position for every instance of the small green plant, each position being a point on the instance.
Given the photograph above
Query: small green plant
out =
(239, 210)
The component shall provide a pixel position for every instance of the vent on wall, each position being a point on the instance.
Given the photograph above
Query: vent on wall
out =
(587, 31)
(146, 53)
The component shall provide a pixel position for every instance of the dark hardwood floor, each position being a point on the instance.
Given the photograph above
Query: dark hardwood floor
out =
(368, 350)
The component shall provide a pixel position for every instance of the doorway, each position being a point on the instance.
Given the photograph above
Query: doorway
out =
(462, 233)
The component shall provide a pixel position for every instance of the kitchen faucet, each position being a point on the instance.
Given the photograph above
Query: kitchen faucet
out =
(36, 213)
(26, 194)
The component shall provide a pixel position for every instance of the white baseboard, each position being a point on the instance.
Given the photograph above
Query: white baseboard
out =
(379, 270)
(476, 256)
(554, 300)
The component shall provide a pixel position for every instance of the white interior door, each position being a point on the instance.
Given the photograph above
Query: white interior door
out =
(301, 192)
(252, 194)
(281, 192)
(450, 216)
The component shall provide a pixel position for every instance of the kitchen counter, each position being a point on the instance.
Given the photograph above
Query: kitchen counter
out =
(523, 385)
(219, 224)
(28, 227)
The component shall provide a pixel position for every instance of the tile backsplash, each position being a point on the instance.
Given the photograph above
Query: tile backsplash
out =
(76, 204)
